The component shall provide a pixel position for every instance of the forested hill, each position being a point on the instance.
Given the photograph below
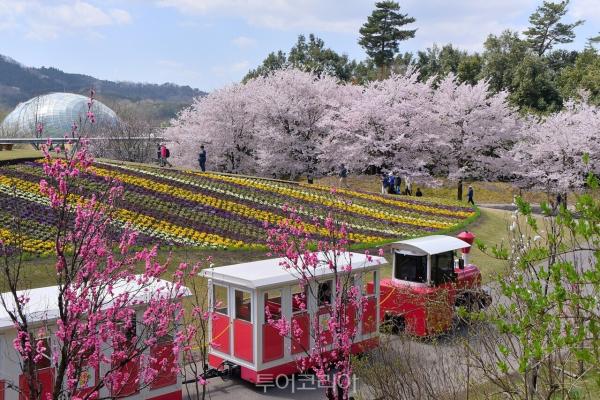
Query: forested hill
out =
(19, 83)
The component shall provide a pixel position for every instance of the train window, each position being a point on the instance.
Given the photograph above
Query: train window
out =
(44, 360)
(442, 267)
(368, 278)
(348, 282)
(220, 299)
(410, 268)
(299, 298)
(243, 303)
(325, 292)
(273, 304)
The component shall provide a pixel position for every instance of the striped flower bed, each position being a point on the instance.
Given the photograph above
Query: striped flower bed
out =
(188, 208)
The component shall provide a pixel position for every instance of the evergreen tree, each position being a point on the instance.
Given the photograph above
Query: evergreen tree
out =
(314, 57)
(469, 69)
(533, 89)
(273, 62)
(382, 33)
(501, 56)
(592, 41)
(308, 56)
(436, 62)
(546, 29)
(365, 72)
(559, 59)
(584, 74)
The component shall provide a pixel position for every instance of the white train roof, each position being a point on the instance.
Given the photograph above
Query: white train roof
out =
(271, 272)
(43, 302)
(433, 244)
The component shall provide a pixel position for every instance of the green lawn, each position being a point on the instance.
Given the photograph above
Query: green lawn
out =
(491, 228)
(29, 153)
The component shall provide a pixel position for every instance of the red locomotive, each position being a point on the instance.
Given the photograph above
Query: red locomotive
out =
(428, 282)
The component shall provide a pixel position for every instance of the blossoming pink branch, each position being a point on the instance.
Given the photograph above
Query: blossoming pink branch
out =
(109, 318)
(344, 304)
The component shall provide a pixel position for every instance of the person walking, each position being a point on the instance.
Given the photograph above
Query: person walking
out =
(390, 178)
(384, 184)
(397, 184)
(164, 155)
(470, 194)
(343, 176)
(159, 154)
(559, 201)
(202, 158)
(408, 186)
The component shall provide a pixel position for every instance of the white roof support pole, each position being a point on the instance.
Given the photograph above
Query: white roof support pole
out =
(256, 302)
(429, 269)
(211, 308)
(286, 314)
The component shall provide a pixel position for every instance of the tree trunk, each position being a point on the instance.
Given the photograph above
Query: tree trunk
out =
(459, 190)
(532, 381)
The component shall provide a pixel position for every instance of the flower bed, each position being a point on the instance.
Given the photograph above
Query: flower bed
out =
(188, 208)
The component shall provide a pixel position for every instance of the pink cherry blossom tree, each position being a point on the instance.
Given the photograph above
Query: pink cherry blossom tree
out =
(551, 154)
(472, 132)
(271, 125)
(224, 122)
(381, 127)
(330, 357)
(292, 110)
(102, 286)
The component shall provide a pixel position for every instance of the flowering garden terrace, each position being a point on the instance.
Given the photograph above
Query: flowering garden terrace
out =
(210, 210)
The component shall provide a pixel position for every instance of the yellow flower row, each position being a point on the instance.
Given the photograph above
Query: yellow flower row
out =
(145, 221)
(356, 208)
(230, 206)
(395, 202)
(19, 184)
(28, 244)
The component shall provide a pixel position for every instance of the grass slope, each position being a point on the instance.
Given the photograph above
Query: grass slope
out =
(19, 154)
(485, 192)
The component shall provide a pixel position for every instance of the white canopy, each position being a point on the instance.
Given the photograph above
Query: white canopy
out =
(43, 302)
(271, 272)
(433, 244)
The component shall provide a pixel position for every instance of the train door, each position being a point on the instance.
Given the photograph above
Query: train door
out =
(243, 329)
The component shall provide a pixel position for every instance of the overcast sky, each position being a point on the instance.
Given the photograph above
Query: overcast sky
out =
(209, 43)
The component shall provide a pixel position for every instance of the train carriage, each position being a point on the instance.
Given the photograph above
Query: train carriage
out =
(42, 312)
(242, 295)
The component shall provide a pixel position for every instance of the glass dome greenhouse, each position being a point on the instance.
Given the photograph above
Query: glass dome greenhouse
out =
(57, 112)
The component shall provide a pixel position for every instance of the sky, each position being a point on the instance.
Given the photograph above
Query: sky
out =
(210, 43)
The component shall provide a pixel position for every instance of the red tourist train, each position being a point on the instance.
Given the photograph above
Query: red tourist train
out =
(427, 283)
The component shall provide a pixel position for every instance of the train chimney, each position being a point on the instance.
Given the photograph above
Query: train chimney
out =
(468, 237)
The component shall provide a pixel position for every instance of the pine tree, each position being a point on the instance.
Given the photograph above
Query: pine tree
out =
(382, 32)
(546, 28)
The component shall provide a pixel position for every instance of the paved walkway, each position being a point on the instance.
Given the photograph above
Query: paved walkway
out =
(535, 208)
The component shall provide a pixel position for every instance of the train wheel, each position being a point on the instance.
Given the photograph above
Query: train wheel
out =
(393, 324)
